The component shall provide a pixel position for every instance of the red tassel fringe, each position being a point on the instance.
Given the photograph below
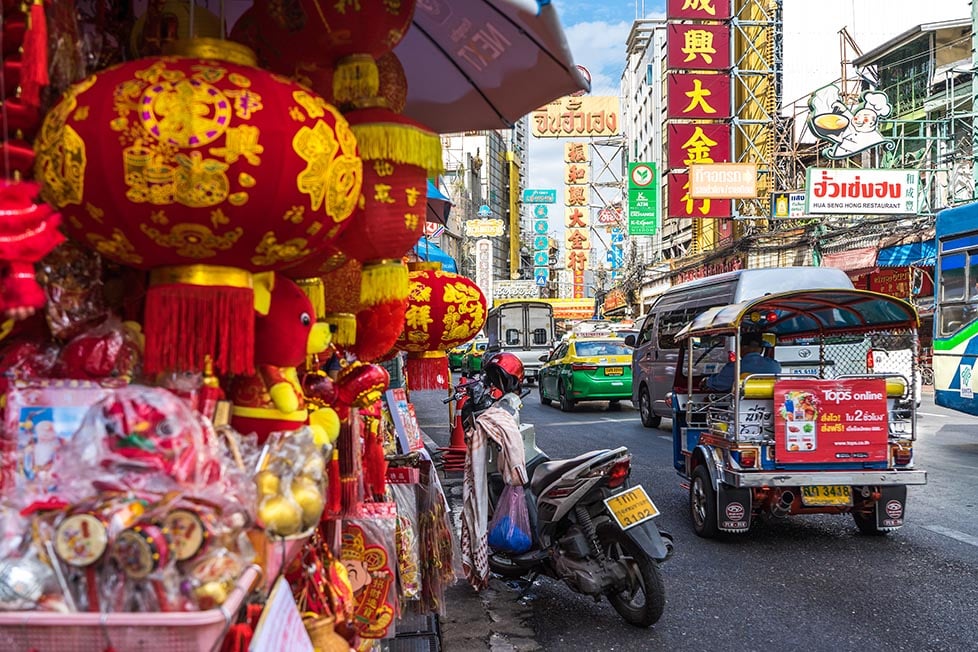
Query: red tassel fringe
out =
(34, 75)
(186, 323)
(334, 492)
(428, 373)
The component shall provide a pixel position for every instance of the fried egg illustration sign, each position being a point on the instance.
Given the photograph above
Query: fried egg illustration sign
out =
(849, 127)
(838, 421)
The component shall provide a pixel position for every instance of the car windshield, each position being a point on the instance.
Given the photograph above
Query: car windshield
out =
(588, 349)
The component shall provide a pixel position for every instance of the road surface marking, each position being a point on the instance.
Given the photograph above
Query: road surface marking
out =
(930, 414)
(666, 437)
(954, 534)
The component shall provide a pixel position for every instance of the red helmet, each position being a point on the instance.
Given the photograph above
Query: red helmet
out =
(504, 371)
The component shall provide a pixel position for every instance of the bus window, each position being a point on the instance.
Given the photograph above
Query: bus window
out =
(952, 278)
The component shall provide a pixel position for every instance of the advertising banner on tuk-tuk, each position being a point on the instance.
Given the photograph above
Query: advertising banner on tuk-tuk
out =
(830, 420)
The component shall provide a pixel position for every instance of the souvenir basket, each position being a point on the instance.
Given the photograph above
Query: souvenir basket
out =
(185, 631)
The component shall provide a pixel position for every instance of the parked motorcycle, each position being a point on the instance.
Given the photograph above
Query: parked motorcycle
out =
(591, 527)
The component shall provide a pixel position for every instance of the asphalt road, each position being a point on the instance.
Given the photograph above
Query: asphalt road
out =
(811, 582)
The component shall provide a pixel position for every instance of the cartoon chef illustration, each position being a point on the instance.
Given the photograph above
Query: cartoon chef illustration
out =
(851, 129)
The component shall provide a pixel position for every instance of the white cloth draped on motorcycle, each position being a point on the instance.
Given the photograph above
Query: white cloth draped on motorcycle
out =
(501, 427)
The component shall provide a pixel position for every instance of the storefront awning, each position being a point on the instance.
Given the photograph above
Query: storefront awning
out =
(914, 253)
(428, 250)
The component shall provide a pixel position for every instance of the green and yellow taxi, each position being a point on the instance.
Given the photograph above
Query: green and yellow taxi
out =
(472, 358)
(455, 356)
(587, 368)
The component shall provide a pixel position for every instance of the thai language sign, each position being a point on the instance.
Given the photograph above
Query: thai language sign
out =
(540, 196)
(485, 228)
(830, 421)
(723, 181)
(854, 191)
(643, 201)
(577, 117)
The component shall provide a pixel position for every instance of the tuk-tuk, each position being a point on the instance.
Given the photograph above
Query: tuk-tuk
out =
(825, 434)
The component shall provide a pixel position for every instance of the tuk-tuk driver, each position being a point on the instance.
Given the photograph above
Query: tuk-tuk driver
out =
(752, 361)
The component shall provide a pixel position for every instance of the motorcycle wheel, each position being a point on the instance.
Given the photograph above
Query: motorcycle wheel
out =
(643, 602)
(502, 567)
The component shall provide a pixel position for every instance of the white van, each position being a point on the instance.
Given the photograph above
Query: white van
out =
(655, 354)
(524, 328)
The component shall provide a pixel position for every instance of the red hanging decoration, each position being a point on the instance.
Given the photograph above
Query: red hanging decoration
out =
(206, 171)
(34, 75)
(444, 310)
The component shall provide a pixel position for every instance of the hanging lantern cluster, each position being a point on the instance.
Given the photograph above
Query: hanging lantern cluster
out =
(444, 310)
(206, 171)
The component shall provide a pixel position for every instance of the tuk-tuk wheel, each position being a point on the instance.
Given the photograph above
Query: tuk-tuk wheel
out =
(867, 524)
(703, 503)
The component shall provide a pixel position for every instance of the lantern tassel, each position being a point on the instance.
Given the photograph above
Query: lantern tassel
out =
(333, 490)
(343, 326)
(221, 319)
(314, 289)
(401, 143)
(428, 370)
(383, 281)
(34, 75)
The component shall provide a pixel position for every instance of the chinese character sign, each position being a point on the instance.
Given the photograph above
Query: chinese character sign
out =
(701, 96)
(682, 204)
(697, 46)
(577, 117)
(483, 267)
(698, 9)
(693, 144)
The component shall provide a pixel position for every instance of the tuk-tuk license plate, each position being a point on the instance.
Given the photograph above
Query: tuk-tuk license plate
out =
(826, 494)
(631, 507)
(613, 371)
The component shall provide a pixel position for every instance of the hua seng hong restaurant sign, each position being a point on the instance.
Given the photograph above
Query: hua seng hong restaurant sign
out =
(577, 117)
(854, 191)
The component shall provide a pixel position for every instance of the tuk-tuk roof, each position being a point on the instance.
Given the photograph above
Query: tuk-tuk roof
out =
(808, 312)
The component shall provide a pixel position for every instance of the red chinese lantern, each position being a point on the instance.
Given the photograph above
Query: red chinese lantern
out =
(344, 36)
(444, 310)
(399, 155)
(377, 326)
(205, 172)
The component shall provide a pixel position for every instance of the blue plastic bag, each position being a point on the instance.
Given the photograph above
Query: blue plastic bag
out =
(509, 530)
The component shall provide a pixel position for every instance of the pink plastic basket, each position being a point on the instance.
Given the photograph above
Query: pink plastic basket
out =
(193, 631)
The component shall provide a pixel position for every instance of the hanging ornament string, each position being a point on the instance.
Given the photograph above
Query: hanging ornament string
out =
(3, 100)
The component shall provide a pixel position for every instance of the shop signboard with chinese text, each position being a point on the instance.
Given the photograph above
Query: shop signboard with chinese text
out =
(698, 9)
(516, 289)
(714, 267)
(483, 267)
(643, 204)
(682, 204)
(698, 96)
(861, 191)
(697, 143)
(839, 421)
(723, 181)
(577, 235)
(698, 46)
(578, 117)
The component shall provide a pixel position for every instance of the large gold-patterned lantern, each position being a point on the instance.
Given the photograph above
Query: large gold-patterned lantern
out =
(206, 172)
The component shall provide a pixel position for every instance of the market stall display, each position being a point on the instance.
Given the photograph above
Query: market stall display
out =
(195, 440)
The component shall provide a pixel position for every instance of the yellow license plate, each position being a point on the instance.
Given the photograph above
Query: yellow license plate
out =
(613, 371)
(631, 507)
(826, 494)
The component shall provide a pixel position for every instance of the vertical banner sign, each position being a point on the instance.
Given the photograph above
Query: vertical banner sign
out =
(693, 46)
(483, 267)
(616, 252)
(840, 421)
(541, 243)
(577, 222)
(643, 205)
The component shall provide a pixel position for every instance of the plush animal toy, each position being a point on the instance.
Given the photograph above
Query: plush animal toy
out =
(272, 399)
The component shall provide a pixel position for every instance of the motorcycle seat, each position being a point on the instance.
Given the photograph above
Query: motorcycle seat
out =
(547, 472)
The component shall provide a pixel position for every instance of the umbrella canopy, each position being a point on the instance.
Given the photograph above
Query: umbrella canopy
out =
(429, 251)
(484, 64)
(439, 205)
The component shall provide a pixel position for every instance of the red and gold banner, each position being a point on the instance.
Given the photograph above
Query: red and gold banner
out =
(697, 143)
(698, 46)
(698, 96)
(698, 9)
(681, 204)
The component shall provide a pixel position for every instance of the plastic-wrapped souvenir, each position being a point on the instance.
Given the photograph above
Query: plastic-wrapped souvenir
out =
(290, 484)
(370, 557)
(408, 544)
(72, 281)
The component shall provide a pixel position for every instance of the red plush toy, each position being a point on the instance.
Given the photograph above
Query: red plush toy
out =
(272, 400)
